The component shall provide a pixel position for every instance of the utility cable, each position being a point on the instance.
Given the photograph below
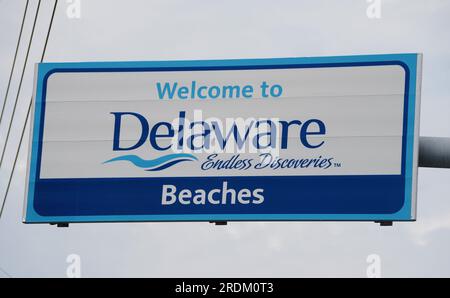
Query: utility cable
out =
(20, 84)
(27, 117)
(14, 60)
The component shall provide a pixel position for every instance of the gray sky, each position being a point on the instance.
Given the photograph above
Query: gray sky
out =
(172, 30)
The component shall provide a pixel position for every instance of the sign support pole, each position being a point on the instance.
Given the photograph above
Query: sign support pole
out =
(434, 152)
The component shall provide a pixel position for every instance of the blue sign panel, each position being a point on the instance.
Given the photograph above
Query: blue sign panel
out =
(327, 138)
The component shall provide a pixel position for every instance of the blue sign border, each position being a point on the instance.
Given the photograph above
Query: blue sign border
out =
(407, 61)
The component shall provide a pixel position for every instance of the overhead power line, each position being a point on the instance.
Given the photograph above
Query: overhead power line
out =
(5, 273)
(14, 60)
(28, 115)
(20, 84)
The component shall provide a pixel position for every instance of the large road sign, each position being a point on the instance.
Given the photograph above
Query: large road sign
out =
(328, 138)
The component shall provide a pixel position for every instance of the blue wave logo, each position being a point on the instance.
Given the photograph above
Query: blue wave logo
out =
(156, 164)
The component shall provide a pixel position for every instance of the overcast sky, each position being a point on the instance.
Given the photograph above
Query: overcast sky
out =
(172, 30)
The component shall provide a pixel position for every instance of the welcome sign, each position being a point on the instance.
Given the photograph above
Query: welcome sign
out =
(329, 138)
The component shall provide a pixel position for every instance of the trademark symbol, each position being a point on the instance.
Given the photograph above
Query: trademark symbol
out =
(337, 164)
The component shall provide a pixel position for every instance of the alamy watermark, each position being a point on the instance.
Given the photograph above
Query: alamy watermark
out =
(373, 9)
(73, 10)
(74, 266)
(374, 266)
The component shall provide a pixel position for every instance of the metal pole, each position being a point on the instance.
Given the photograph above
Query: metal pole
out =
(434, 152)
